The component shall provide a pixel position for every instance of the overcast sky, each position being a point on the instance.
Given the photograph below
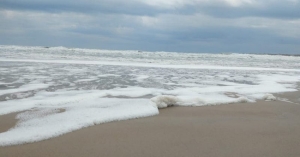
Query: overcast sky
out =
(246, 26)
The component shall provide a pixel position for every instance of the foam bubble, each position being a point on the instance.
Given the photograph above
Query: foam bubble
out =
(269, 96)
(164, 101)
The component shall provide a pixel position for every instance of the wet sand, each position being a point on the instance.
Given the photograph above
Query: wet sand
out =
(7, 122)
(262, 129)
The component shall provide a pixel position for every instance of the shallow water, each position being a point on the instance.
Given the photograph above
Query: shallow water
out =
(97, 86)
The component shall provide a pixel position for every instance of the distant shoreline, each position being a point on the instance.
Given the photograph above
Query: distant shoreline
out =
(142, 51)
(295, 55)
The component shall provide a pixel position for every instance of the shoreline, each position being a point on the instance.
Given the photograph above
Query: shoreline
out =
(264, 128)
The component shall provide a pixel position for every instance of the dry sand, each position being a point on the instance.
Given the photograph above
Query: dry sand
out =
(262, 129)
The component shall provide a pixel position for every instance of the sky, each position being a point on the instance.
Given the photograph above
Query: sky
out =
(204, 26)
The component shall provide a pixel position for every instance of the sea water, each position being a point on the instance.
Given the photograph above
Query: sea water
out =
(57, 90)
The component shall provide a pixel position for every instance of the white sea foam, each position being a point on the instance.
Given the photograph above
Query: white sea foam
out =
(28, 87)
(164, 101)
(147, 65)
(130, 56)
(70, 93)
(269, 97)
(43, 123)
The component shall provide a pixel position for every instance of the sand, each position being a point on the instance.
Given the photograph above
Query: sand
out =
(7, 122)
(262, 129)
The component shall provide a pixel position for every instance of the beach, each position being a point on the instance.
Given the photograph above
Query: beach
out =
(264, 128)
(59, 101)
(144, 78)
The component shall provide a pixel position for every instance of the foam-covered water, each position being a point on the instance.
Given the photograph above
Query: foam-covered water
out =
(134, 56)
(58, 90)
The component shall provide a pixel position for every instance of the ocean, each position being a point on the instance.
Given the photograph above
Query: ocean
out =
(56, 90)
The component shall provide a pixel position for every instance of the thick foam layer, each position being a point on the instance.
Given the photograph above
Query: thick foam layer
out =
(164, 101)
(46, 121)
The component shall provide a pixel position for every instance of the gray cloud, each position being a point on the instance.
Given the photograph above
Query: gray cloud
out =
(266, 26)
(279, 9)
(265, 8)
(82, 6)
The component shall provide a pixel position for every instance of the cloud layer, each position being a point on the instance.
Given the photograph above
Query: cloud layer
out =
(251, 26)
